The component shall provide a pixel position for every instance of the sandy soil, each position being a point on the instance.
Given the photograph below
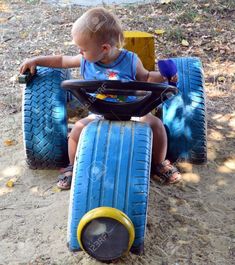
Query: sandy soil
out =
(189, 223)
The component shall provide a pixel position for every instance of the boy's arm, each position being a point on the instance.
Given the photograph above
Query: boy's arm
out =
(57, 61)
(148, 76)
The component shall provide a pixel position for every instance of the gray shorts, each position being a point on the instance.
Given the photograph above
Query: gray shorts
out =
(100, 117)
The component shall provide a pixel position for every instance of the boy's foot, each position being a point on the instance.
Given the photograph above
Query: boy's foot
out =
(65, 179)
(166, 173)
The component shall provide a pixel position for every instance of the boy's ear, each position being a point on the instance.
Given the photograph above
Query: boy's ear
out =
(106, 47)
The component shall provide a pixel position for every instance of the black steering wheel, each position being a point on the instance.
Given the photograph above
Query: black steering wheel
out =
(150, 96)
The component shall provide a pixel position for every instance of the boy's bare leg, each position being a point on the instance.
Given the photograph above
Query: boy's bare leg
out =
(159, 137)
(65, 179)
(74, 136)
(162, 167)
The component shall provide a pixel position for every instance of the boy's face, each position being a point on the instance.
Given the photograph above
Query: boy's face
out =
(89, 49)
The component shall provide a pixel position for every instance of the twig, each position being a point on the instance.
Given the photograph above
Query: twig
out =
(6, 208)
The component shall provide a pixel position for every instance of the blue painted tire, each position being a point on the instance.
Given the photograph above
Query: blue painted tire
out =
(112, 168)
(184, 116)
(45, 119)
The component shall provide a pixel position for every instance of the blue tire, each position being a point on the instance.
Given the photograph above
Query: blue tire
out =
(112, 168)
(45, 119)
(184, 116)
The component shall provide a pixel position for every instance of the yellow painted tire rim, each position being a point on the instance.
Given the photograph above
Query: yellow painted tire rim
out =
(107, 212)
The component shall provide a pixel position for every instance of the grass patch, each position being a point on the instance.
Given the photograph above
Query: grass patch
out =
(176, 6)
(175, 34)
(188, 16)
(33, 2)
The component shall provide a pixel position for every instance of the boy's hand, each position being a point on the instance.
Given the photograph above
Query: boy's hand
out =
(28, 64)
(174, 79)
(168, 69)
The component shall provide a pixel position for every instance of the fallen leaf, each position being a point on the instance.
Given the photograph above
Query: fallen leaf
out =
(36, 52)
(14, 78)
(24, 34)
(67, 43)
(221, 79)
(11, 182)
(56, 189)
(185, 43)
(208, 48)
(230, 164)
(9, 142)
(159, 31)
(165, 1)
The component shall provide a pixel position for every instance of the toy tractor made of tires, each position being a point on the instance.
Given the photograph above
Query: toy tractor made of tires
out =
(110, 186)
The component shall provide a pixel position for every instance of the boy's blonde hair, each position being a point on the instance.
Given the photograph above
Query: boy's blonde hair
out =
(101, 26)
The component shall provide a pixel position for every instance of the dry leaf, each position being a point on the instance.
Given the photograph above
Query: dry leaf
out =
(9, 142)
(230, 163)
(159, 31)
(24, 34)
(56, 189)
(68, 43)
(36, 52)
(185, 43)
(221, 78)
(11, 182)
(14, 78)
(166, 1)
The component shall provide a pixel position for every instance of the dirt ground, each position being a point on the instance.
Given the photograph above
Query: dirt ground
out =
(189, 223)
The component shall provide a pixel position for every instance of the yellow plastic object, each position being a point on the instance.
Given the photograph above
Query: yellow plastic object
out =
(142, 43)
(107, 212)
(100, 96)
